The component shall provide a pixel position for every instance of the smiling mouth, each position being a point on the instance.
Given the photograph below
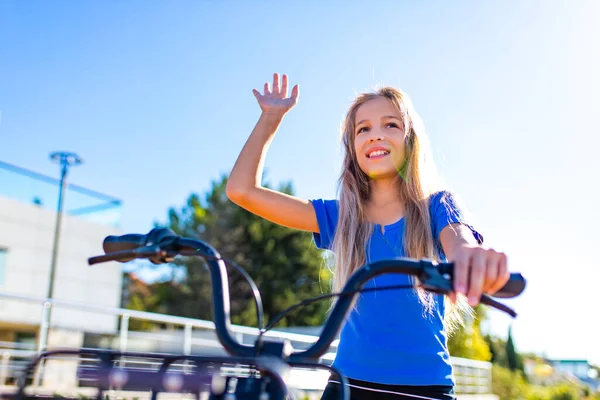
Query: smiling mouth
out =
(378, 154)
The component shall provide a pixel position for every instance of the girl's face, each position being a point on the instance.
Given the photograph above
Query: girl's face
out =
(379, 139)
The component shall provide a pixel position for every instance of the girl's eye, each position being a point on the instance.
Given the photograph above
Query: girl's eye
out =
(361, 130)
(392, 125)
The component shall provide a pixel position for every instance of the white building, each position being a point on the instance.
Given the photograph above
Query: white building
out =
(579, 368)
(27, 222)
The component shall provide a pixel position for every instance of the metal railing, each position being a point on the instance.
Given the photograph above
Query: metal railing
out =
(193, 336)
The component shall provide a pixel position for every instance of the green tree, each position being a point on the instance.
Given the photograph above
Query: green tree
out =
(513, 359)
(510, 385)
(468, 341)
(154, 297)
(566, 391)
(497, 349)
(283, 262)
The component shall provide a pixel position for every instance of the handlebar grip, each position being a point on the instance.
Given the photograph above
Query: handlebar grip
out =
(132, 241)
(113, 244)
(514, 287)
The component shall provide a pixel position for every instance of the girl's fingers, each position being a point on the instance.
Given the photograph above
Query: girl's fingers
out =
(491, 270)
(452, 297)
(502, 274)
(477, 275)
(461, 273)
(295, 93)
(275, 83)
(284, 86)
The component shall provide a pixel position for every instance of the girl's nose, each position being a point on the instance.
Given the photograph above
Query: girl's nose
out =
(377, 137)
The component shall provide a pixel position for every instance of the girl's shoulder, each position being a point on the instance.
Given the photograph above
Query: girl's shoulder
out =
(327, 213)
(326, 207)
(446, 208)
(445, 200)
(441, 196)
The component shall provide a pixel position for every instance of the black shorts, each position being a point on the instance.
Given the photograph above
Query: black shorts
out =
(360, 390)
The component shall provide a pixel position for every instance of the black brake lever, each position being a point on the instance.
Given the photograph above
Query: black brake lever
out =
(485, 299)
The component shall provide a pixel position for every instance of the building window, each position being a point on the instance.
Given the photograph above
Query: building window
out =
(3, 253)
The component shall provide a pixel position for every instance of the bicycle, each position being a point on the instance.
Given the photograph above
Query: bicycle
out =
(263, 369)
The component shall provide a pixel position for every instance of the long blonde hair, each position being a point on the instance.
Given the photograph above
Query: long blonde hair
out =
(419, 181)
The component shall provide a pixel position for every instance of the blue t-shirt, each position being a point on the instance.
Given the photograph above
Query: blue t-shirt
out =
(389, 337)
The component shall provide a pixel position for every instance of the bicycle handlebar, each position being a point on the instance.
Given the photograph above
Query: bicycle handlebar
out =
(160, 245)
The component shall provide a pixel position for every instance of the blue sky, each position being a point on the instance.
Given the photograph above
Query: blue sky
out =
(157, 98)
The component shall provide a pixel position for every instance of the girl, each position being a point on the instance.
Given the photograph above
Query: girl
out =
(394, 343)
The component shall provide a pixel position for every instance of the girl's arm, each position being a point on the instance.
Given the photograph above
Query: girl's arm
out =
(244, 185)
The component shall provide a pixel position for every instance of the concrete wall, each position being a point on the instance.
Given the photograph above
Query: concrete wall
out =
(27, 231)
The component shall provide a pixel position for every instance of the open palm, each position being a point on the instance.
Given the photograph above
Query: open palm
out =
(276, 100)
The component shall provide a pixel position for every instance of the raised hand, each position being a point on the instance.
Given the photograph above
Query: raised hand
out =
(276, 100)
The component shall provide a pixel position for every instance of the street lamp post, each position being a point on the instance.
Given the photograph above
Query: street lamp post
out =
(65, 159)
